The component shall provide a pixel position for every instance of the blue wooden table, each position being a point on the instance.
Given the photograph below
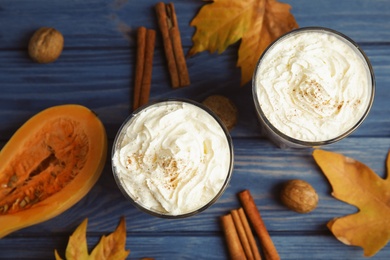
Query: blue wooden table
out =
(96, 69)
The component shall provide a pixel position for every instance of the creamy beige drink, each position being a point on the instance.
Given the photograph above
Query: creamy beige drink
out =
(312, 87)
(172, 158)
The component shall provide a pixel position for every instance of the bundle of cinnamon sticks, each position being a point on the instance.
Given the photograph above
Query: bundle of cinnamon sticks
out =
(239, 237)
(167, 21)
(173, 49)
(143, 73)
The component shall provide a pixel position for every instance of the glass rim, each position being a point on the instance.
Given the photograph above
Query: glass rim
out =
(119, 136)
(346, 133)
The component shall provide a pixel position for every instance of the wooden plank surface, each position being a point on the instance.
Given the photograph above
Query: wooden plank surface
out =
(108, 24)
(96, 69)
(102, 80)
(193, 246)
(258, 167)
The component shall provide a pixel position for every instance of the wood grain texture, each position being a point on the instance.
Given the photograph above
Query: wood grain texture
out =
(108, 24)
(191, 246)
(258, 166)
(103, 80)
(96, 69)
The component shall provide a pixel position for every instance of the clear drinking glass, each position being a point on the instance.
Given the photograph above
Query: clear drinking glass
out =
(301, 92)
(173, 138)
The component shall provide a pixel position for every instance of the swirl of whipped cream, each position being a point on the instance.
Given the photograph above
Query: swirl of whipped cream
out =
(174, 157)
(313, 86)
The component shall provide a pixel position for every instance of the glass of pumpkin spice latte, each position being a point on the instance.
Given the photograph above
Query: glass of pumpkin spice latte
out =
(312, 86)
(172, 158)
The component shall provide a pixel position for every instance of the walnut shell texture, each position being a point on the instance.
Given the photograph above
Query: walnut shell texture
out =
(224, 108)
(299, 196)
(46, 45)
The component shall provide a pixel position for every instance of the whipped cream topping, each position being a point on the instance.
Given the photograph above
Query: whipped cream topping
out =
(173, 157)
(313, 86)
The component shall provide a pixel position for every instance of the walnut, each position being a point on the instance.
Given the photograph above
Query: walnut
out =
(46, 45)
(299, 196)
(224, 108)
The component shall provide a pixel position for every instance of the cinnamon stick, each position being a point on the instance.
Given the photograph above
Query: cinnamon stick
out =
(242, 234)
(167, 21)
(174, 33)
(168, 48)
(147, 77)
(257, 222)
(249, 234)
(139, 69)
(232, 240)
(144, 62)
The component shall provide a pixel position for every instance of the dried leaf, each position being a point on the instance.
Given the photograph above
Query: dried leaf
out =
(112, 246)
(355, 183)
(77, 247)
(57, 256)
(256, 22)
(109, 247)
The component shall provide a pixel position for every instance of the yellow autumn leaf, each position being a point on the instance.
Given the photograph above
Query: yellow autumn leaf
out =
(256, 22)
(112, 246)
(355, 183)
(109, 247)
(77, 247)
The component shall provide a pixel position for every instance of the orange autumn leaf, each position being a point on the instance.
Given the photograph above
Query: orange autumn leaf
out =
(256, 22)
(109, 247)
(355, 183)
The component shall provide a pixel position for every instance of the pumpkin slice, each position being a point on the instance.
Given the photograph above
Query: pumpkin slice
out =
(49, 164)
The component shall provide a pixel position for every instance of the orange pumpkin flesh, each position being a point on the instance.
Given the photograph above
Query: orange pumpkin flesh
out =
(49, 165)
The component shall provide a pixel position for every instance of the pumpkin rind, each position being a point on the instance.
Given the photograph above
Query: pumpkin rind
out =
(86, 126)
